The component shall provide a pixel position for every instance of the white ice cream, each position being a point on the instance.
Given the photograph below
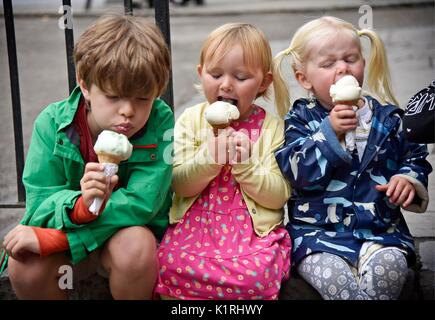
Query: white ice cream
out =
(221, 112)
(345, 89)
(112, 143)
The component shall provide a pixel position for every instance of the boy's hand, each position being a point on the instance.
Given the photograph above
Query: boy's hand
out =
(343, 119)
(221, 148)
(242, 147)
(399, 190)
(20, 240)
(95, 184)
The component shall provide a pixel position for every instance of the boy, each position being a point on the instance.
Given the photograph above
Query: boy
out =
(122, 67)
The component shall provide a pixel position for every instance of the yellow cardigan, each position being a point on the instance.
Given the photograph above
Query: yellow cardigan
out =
(264, 188)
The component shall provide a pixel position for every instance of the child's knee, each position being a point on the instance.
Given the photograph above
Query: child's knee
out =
(33, 270)
(132, 250)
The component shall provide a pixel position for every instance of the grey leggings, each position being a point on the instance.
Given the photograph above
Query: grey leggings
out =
(380, 278)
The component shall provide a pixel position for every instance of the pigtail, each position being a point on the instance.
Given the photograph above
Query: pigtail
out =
(281, 91)
(378, 71)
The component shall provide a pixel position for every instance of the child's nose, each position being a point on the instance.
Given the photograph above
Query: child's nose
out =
(226, 84)
(126, 108)
(342, 67)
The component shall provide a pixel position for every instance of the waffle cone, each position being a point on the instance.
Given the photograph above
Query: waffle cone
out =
(108, 158)
(348, 103)
(217, 127)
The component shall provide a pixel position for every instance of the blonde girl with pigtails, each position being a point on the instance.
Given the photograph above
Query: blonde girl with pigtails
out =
(350, 240)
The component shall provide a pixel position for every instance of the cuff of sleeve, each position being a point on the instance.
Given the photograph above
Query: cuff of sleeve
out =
(335, 152)
(421, 192)
(50, 241)
(81, 214)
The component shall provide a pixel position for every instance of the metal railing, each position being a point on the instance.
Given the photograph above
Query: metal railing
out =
(161, 10)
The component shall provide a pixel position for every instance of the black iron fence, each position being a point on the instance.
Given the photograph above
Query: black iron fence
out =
(161, 9)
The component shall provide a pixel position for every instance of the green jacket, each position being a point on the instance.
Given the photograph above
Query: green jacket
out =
(54, 167)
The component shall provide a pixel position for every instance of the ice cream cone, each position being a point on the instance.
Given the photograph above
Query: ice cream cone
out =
(348, 103)
(108, 158)
(217, 127)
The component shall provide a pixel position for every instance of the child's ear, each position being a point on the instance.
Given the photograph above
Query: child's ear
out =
(84, 88)
(267, 80)
(303, 81)
(199, 70)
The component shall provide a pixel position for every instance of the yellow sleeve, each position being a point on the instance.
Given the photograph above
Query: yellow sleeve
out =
(193, 167)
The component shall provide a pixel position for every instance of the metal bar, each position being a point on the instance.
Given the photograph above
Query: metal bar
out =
(17, 205)
(161, 9)
(88, 5)
(69, 41)
(128, 7)
(15, 95)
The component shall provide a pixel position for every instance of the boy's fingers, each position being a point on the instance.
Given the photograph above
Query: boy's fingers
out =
(94, 175)
(94, 184)
(10, 235)
(96, 193)
(11, 245)
(94, 166)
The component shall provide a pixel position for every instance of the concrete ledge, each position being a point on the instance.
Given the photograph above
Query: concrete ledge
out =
(97, 288)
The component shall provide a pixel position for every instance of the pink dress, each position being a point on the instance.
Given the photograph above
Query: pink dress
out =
(214, 253)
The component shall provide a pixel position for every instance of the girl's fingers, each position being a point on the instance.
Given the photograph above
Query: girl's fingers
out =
(391, 187)
(342, 107)
(396, 192)
(410, 198)
(346, 114)
(403, 196)
(382, 187)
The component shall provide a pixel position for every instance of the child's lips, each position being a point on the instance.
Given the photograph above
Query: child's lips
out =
(229, 100)
(123, 128)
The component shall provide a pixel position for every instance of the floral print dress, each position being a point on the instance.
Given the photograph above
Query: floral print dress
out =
(214, 253)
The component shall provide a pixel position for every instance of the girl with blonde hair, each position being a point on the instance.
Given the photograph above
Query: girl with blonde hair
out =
(226, 239)
(350, 240)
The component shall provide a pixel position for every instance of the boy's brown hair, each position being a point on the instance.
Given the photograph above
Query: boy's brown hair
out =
(123, 55)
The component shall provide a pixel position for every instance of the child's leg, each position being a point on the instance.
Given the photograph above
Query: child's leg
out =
(384, 274)
(130, 259)
(37, 278)
(331, 276)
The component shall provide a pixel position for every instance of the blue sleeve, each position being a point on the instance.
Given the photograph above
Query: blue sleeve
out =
(311, 151)
(413, 160)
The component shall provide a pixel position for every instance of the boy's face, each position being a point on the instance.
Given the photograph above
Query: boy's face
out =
(230, 79)
(329, 60)
(110, 112)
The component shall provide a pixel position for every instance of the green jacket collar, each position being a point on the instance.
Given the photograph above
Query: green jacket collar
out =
(66, 115)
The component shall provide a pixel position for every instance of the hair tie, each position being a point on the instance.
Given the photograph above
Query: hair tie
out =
(287, 51)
